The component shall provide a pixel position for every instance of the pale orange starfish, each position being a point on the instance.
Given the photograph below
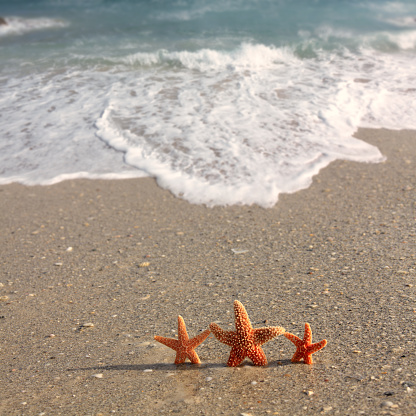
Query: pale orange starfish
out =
(245, 341)
(305, 348)
(184, 346)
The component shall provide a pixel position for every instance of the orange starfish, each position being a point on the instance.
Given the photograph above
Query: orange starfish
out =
(184, 346)
(245, 341)
(305, 348)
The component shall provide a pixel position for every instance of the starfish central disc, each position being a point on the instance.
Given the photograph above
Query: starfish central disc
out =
(245, 341)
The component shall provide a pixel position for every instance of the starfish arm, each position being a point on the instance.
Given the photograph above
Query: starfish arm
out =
(182, 334)
(226, 337)
(297, 356)
(236, 357)
(317, 346)
(169, 342)
(262, 335)
(199, 339)
(312, 349)
(307, 359)
(193, 357)
(296, 340)
(180, 356)
(307, 338)
(242, 321)
(257, 355)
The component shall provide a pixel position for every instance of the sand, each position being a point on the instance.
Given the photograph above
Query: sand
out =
(127, 257)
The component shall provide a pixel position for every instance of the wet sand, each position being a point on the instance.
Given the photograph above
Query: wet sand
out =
(92, 270)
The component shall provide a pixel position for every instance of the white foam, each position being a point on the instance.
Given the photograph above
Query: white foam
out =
(407, 21)
(184, 15)
(214, 127)
(386, 8)
(248, 55)
(19, 25)
(47, 129)
(246, 126)
(404, 40)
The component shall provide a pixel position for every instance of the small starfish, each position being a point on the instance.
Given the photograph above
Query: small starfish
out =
(305, 348)
(245, 341)
(184, 346)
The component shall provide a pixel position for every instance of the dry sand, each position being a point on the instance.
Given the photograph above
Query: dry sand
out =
(129, 257)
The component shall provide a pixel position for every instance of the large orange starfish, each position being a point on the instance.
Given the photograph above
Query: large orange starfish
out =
(184, 346)
(245, 341)
(305, 348)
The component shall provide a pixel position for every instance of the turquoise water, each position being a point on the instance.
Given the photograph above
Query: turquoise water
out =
(223, 102)
(92, 27)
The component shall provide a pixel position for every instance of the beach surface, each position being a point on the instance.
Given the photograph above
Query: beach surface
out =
(92, 270)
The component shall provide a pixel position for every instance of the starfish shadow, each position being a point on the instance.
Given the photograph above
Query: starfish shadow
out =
(153, 367)
(171, 367)
(281, 363)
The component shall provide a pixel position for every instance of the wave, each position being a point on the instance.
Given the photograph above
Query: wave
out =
(19, 25)
(407, 21)
(246, 56)
(319, 44)
(327, 37)
(404, 40)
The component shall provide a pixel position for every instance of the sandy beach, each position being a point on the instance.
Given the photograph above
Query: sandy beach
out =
(92, 270)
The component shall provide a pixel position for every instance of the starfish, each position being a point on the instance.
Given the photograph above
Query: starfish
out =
(304, 348)
(245, 341)
(184, 346)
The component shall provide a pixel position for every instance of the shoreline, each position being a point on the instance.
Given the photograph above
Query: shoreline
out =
(338, 255)
(264, 198)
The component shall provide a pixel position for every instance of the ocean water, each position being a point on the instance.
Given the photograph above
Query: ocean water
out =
(222, 101)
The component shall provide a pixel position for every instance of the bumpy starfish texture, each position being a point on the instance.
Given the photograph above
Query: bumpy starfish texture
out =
(305, 348)
(184, 347)
(245, 341)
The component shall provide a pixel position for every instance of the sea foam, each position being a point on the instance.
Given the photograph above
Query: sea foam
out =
(217, 133)
(18, 25)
